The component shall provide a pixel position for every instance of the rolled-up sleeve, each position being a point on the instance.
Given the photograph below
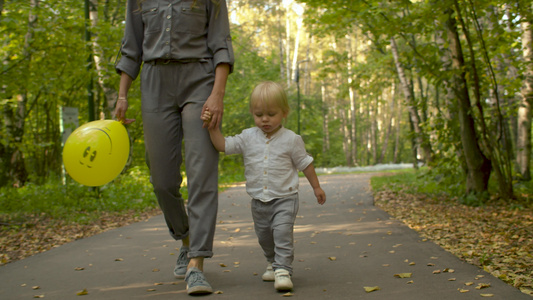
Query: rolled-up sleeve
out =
(300, 157)
(218, 35)
(131, 48)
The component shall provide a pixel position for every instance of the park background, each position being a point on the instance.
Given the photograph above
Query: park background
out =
(447, 85)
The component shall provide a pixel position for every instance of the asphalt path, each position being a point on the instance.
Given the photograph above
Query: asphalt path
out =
(341, 248)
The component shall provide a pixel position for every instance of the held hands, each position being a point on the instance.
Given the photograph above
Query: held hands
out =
(206, 117)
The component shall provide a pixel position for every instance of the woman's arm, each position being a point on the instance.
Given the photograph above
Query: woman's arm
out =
(215, 102)
(122, 103)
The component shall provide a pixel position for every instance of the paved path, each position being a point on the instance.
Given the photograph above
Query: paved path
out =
(341, 247)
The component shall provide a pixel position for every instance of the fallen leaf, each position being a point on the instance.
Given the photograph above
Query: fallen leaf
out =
(237, 230)
(369, 289)
(219, 292)
(155, 270)
(469, 283)
(150, 290)
(410, 282)
(289, 294)
(158, 283)
(332, 258)
(412, 263)
(487, 295)
(463, 291)
(35, 287)
(222, 265)
(482, 286)
(79, 269)
(119, 259)
(82, 292)
(436, 272)
(38, 296)
(403, 275)
(451, 279)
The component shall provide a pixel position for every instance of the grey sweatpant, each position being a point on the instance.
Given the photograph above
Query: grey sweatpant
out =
(172, 99)
(274, 225)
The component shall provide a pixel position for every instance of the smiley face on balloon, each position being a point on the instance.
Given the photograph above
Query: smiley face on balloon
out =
(96, 152)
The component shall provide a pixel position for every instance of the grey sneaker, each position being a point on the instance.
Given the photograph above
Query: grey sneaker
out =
(282, 280)
(269, 273)
(196, 282)
(181, 265)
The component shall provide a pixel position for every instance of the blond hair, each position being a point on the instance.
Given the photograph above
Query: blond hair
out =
(270, 93)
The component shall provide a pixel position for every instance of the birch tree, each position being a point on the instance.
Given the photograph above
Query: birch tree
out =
(523, 155)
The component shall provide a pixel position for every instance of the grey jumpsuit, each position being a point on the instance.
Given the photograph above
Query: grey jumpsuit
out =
(180, 43)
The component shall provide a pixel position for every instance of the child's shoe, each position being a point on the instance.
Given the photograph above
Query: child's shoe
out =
(269, 273)
(282, 281)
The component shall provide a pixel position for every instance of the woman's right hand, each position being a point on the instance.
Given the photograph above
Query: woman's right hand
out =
(120, 111)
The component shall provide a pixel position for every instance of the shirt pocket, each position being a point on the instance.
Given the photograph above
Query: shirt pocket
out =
(193, 17)
(152, 22)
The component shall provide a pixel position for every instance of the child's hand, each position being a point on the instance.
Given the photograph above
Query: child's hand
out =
(320, 195)
(206, 117)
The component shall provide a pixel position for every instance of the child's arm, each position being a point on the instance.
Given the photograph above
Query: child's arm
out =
(216, 135)
(310, 174)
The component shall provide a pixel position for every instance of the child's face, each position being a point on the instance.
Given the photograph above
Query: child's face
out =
(268, 118)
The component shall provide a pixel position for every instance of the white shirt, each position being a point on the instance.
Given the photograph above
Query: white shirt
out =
(271, 164)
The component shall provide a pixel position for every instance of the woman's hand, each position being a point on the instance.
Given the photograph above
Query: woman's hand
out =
(120, 111)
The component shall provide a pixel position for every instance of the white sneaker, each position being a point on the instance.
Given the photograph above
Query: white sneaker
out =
(269, 273)
(282, 280)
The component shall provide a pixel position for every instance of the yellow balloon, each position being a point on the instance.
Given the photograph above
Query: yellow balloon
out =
(96, 152)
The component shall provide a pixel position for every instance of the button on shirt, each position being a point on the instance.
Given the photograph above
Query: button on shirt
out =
(271, 164)
(177, 30)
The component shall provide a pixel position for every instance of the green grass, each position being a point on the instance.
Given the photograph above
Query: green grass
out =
(428, 182)
(76, 203)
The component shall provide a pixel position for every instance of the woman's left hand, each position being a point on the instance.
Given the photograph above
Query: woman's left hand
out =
(215, 106)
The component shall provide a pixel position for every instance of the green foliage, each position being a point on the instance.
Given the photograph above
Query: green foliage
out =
(413, 181)
(73, 202)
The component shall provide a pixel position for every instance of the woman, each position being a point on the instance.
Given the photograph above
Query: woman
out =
(185, 51)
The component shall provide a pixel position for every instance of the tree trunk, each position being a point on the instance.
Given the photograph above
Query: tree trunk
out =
(397, 127)
(421, 139)
(99, 56)
(288, 44)
(325, 123)
(389, 127)
(15, 172)
(374, 132)
(479, 167)
(295, 66)
(351, 93)
(523, 153)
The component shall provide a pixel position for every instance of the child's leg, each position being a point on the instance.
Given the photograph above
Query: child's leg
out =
(262, 215)
(283, 216)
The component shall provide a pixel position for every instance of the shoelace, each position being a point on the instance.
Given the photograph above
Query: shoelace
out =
(195, 277)
(182, 258)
